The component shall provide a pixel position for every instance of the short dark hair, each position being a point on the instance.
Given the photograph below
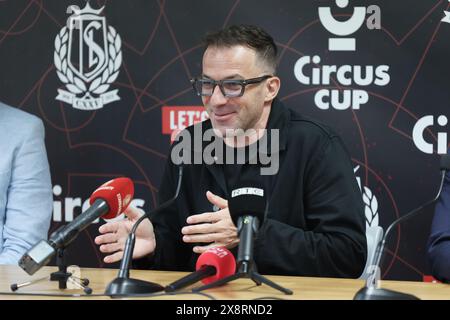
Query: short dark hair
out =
(246, 35)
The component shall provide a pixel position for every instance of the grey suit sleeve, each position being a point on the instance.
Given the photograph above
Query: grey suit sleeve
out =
(29, 196)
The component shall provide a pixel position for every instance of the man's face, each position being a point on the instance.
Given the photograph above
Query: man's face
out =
(237, 62)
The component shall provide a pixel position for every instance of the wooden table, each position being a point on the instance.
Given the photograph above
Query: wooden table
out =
(305, 288)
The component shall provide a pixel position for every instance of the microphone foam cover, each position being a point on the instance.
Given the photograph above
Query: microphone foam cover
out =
(117, 193)
(445, 162)
(220, 258)
(247, 199)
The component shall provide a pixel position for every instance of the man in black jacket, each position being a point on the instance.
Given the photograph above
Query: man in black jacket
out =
(315, 222)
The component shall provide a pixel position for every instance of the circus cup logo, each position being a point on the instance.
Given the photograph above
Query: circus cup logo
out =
(311, 70)
(419, 130)
(348, 27)
(87, 59)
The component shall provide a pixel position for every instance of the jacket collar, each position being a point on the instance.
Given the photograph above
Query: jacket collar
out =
(279, 120)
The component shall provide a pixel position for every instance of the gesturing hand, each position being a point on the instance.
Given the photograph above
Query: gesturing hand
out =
(215, 228)
(114, 235)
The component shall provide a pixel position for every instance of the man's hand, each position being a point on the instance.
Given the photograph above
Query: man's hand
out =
(115, 234)
(215, 228)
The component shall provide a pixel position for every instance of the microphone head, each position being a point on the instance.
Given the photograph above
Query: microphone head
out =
(220, 258)
(117, 193)
(247, 199)
(445, 162)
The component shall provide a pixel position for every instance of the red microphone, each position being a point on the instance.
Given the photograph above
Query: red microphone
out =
(109, 200)
(117, 193)
(212, 265)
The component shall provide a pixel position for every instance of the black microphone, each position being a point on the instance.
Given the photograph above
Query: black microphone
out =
(372, 291)
(213, 264)
(109, 200)
(123, 285)
(247, 206)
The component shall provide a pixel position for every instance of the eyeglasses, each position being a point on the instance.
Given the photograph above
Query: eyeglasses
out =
(229, 88)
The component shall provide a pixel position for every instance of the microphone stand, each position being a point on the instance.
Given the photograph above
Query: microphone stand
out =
(246, 265)
(62, 276)
(123, 285)
(41, 253)
(372, 291)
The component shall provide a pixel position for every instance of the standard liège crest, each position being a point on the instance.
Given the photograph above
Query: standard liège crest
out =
(87, 59)
(370, 203)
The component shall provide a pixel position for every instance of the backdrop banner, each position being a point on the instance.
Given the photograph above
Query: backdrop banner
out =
(110, 80)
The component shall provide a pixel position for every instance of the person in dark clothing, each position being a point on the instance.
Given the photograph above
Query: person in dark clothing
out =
(439, 240)
(314, 225)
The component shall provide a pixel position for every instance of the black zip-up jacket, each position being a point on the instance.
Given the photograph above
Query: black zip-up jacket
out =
(315, 224)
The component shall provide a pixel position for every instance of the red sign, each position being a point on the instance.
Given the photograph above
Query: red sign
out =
(176, 118)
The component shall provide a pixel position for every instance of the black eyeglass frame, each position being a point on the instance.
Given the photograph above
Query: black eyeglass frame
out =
(220, 83)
